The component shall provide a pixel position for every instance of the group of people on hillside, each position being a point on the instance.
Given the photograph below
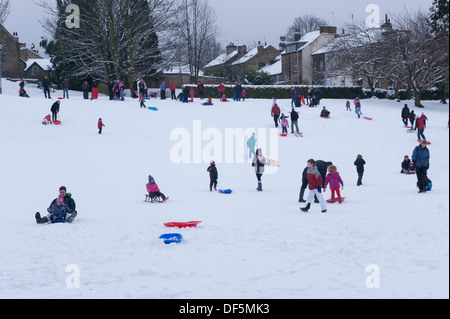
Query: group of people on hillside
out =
(418, 124)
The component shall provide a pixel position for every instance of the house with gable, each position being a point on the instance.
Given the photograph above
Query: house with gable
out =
(297, 57)
(254, 60)
(18, 61)
(220, 66)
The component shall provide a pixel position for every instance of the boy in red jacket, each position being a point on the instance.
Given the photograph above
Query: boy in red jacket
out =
(100, 126)
(315, 187)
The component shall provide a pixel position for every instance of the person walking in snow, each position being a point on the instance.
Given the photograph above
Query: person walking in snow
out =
(359, 163)
(420, 127)
(405, 114)
(100, 126)
(294, 120)
(275, 113)
(335, 181)
(315, 187)
(142, 100)
(421, 159)
(259, 161)
(213, 176)
(284, 124)
(357, 104)
(46, 86)
(348, 107)
(243, 94)
(251, 145)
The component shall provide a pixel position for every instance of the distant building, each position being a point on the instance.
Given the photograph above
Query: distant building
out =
(297, 57)
(220, 66)
(18, 61)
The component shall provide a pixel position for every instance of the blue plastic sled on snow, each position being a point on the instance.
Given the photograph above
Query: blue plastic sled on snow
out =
(153, 108)
(58, 221)
(225, 191)
(171, 238)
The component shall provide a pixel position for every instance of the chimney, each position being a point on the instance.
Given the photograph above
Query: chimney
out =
(231, 48)
(297, 35)
(328, 29)
(387, 26)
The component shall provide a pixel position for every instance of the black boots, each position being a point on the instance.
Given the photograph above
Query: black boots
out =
(41, 220)
(302, 193)
(259, 189)
(306, 209)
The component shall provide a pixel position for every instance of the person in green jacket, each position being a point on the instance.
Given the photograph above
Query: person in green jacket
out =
(251, 144)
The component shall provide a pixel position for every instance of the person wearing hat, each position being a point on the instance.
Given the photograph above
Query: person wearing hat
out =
(100, 126)
(258, 163)
(421, 159)
(251, 145)
(325, 112)
(153, 190)
(213, 175)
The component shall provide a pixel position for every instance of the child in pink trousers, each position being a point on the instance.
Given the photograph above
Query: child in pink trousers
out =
(334, 179)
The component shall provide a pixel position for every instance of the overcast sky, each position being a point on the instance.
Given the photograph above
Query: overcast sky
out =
(241, 21)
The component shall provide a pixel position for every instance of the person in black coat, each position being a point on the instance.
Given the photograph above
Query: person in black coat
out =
(111, 90)
(55, 110)
(322, 167)
(213, 175)
(238, 91)
(185, 94)
(405, 114)
(359, 163)
(46, 86)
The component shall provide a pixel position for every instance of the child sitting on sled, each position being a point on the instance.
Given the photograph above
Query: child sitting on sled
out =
(153, 191)
(59, 210)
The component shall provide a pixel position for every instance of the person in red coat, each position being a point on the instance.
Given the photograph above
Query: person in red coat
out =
(420, 127)
(315, 182)
(172, 91)
(221, 89)
(100, 126)
(275, 113)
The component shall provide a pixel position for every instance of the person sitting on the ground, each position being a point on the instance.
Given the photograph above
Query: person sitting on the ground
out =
(209, 102)
(407, 166)
(325, 112)
(68, 202)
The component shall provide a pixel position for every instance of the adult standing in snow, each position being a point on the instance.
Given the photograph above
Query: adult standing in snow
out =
(294, 120)
(162, 87)
(359, 163)
(111, 90)
(421, 159)
(85, 88)
(135, 93)
(201, 89)
(94, 91)
(275, 113)
(68, 201)
(55, 110)
(315, 183)
(65, 87)
(322, 167)
(405, 114)
(142, 88)
(293, 97)
(173, 89)
(258, 163)
(251, 144)
(46, 87)
(420, 127)
(238, 91)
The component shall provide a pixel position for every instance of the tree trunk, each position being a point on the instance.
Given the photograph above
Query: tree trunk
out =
(417, 99)
(443, 94)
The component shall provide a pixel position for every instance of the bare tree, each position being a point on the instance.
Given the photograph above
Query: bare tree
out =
(5, 9)
(195, 28)
(304, 24)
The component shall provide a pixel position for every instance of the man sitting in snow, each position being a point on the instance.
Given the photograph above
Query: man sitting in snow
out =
(67, 202)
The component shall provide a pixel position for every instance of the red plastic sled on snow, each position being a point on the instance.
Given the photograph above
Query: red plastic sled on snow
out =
(303, 100)
(336, 200)
(56, 122)
(182, 225)
(428, 143)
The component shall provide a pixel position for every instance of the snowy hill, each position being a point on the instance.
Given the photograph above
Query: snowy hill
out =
(250, 244)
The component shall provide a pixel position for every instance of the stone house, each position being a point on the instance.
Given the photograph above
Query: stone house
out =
(297, 57)
(254, 60)
(220, 66)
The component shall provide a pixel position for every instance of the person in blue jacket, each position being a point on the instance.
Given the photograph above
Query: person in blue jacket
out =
(69, 204)
(251, 144)
(46, 87)
(421, 158)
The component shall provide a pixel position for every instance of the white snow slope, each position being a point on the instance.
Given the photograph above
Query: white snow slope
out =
(385, 241)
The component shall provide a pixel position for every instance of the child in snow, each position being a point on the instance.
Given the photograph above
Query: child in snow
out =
(243, 94)
(334, 179)
(325, 112)
(59, 210)
(359, 163)
(47, 120)
(251, 144)
(153, 190)
(284, 123)
(347, 105)
(100, 126)
(224, 98)
(142, 100)
(209, 102)
(357, 107)
(213, 176)
(406, 164)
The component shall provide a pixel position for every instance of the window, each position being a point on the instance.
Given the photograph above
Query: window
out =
(3, 74)
(34, 71)
(291, 48)
(295, 67)
(3, 57)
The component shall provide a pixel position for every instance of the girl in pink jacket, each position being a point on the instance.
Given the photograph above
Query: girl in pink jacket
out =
(334, 179)
(153, 190)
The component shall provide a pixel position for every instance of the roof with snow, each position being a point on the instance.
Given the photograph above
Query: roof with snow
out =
(273, 69)
(248, 56)
(185, 69)
(221, 59)
(45, 64)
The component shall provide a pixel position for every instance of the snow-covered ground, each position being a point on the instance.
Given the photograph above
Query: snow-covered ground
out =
(250, 244)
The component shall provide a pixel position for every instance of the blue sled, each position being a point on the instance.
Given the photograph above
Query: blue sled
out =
(171, 238)
(225, 191)
(153, 108)
(59, 221)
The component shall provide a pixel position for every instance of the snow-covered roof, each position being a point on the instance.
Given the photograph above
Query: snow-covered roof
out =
(308, 39)
(221, 59)
(248, 56)
(185, 69)
(45, 64)
(273, 69)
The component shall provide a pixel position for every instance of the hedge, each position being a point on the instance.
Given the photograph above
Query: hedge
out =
(284, 92)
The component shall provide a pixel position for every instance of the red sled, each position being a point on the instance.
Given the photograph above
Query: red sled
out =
(56, 122)
(336, 200)
(283, 134)
(60, 98)
(428, 143)
(325, 117)
(303, 100)
(182, 225)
